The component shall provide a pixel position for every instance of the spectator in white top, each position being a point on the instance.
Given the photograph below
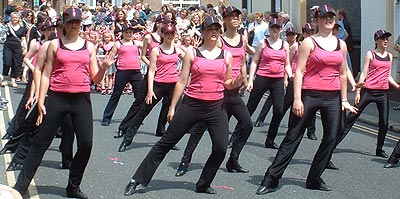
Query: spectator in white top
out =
(129, 11)
(260, 29)
(286, 24)
(52, 12)
(87, 17)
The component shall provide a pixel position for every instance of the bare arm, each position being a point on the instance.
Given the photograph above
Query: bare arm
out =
(151, 73)
(182, 82)
(254, 63)
(33, 49)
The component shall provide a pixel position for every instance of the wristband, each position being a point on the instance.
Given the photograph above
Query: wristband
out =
(344, 100)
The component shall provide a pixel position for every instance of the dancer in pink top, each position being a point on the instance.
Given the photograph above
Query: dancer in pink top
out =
(320, 83)
(272, 65)
(377, 76)
(128, 70)
(210, 69)
(70, 66)
(163, 59)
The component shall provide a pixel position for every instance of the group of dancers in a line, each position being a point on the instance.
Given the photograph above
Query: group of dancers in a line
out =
(205, 93)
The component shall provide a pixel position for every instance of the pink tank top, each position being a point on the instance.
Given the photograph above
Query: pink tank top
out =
(128, 57)
(34, 58)
(323, 69)
(294, 61)
(272, 62)
(107, 47)
(153, 43)
(207, 77)
(238, 54)
(70, 72)
(378, 75)
(167, 67)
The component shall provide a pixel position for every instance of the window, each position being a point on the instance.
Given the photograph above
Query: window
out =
(181, 3)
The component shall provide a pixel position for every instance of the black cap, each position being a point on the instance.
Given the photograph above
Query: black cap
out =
(275, 22)
(381, 34)
(161, 18)
(307, 28)
(168, 28)
(230, 9)
(72, 13)
(127, 27)
(323, 10)
(210, 21)
(45, 25)
(291, 30)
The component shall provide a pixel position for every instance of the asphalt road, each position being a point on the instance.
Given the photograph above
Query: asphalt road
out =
(361, 174)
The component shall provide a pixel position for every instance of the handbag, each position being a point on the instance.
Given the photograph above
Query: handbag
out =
(250, 36)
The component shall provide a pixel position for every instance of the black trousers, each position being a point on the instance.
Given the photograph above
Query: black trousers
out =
(135, 107)
(191, 112)
(287, 103)
(122, 77)
(161, 90)
(234, 106)
(27, 132)
(329, 104)
(381, 99)
(21, 112)
(12, 58)
(395, 156)
(58, 105)
(277, 92)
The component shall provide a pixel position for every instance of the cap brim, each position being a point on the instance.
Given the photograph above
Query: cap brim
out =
(275, 25)
(72, 19)
(325, 13)
(237, 11)
(218, 24)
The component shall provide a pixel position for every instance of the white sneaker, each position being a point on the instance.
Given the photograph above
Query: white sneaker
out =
(3, 100)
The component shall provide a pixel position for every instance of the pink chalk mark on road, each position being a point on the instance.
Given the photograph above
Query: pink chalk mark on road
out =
(224, 187)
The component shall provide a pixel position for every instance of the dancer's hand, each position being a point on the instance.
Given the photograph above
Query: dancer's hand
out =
(298, 108)
(31, 101)
(42, 113)
(357, 98)
(250, 86)
(171, 114)
(347, 106)
(149, 97)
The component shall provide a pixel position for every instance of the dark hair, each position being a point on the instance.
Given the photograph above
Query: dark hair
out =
(342, 12)
(168, 28)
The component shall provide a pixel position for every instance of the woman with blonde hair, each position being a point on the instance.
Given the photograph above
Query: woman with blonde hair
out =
(13, 50)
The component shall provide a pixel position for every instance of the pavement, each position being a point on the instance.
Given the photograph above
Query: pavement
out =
(370, 114)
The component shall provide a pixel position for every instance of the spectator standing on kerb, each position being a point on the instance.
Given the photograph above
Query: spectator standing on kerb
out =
(259, 27)
(349, 40)
(10, 8)
(286, 24)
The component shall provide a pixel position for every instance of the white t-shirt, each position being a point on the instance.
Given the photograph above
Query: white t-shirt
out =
(89, 19)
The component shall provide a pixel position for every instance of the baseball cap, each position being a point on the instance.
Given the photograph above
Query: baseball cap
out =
(45, 25)
(230, 9)
(291, 30)
(72, 13)
(127, 27)
(323, 10)
(161, 18)
(275, 22)
(168, 28)
(314, 7)
(381, 34)
(307, 28)
(210, 21)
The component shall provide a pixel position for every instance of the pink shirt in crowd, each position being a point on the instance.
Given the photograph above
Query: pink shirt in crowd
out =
(166, 67)
(70, 72)
(323, 69)
(128, 57)
(238, 55)
(378, 75)
(207, 77)
(272, 62)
